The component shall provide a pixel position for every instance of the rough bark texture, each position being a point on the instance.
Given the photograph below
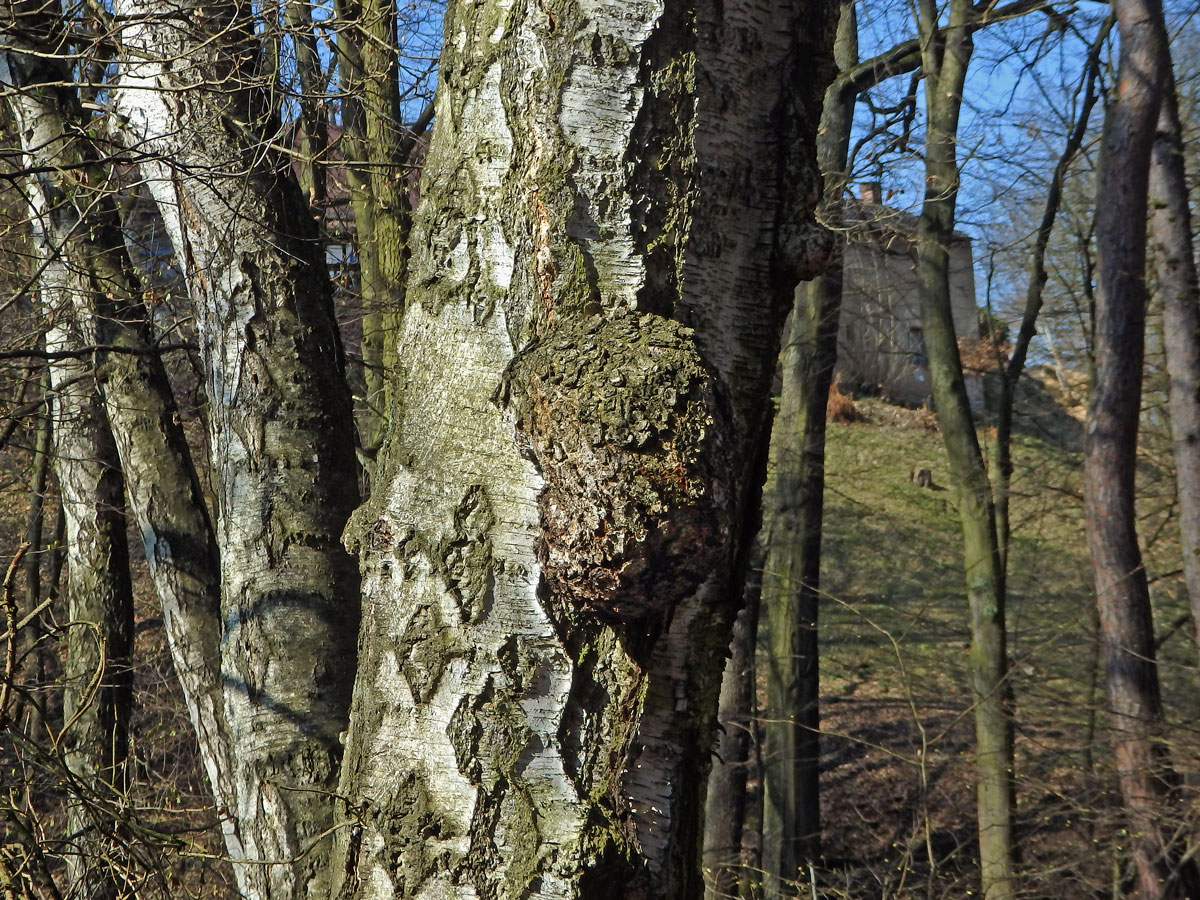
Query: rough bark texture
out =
(599, 272)
(79, 221)
(1126, 622)
(31, 647)
(97, 690)
(946, 52)
(1175, 268)
(794, 512)
(280, 422)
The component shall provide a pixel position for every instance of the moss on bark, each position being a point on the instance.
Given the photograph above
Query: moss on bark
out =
(631, 434)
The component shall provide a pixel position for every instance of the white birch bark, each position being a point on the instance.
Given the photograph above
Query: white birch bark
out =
(84, 254)
(597, 283)
(280, 422)
(97, 689)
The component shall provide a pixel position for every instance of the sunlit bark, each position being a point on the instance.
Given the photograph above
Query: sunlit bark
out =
(279, 418)
(599, 273)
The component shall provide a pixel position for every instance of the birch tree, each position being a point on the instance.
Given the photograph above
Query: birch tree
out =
(616, 208)
(608, 246)
(196, 113)
(73, 209)
(97, 675)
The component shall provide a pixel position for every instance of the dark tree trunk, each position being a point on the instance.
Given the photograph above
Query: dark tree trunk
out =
(791, 802)
(32, 648)
(312, 136)
(725, 808)
(1175, 267)
(793, 516)
(1148, 784)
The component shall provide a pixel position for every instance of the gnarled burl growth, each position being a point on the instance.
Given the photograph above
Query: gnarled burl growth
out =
(633, 437)
(599, 272)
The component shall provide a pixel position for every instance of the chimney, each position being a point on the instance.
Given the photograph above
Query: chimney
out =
(871, 192)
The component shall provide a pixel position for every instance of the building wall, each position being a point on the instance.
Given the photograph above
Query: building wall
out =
(880, 342)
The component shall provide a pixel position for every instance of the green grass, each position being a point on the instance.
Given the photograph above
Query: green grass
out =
(897, 779)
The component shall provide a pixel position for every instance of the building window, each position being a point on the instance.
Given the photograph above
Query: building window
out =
(342, 262)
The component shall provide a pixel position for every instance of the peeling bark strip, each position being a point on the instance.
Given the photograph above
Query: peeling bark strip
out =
(599, 273)
(281, 429)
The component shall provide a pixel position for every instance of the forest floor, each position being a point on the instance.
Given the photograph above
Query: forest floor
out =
(897, 796)
(897, 788)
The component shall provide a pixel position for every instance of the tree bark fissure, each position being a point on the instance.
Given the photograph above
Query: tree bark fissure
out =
(548, 552)
(280, 423)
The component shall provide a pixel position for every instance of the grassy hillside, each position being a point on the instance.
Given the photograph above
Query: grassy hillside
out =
(897, 796)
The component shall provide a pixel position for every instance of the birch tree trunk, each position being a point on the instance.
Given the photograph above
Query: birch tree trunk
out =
(1148, 784)
(616, 208)
(74, 208)
(1175, 269)
(98, 679)
(97, 691)
(280, 422)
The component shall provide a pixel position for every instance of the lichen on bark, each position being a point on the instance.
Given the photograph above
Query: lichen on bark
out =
(587, 346)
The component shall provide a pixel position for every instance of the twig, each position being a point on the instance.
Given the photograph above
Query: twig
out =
(1170, 632)
(10, 616)
(82, 352)
(29, 617)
